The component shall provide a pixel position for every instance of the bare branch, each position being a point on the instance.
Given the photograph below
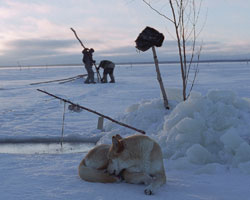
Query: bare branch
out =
(171, 35)
(180, 51)
(184, 43)
(192, 55)
(166, 17)
(196, 72)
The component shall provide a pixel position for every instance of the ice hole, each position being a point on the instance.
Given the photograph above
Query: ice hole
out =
(45, 148)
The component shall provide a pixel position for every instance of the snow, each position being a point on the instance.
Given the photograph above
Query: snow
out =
(198, 154)
(205, 140)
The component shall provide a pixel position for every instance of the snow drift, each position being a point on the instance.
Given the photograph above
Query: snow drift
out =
(213, 128)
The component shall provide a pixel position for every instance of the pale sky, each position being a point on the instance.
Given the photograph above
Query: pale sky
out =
(38, 31)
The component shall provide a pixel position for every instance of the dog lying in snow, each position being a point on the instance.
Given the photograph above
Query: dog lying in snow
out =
(93, 167)
(136, 159)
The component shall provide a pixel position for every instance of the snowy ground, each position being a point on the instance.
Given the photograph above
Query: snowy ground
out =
(205, 140)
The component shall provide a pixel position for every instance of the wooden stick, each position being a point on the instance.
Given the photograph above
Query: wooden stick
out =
(64, 108)
(59, 80)
(78, 38)
(73, 79)
(164, 95)
(98, 73)
(92, 111)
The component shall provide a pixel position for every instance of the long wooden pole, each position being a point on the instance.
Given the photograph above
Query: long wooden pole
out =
(97, 71)
(78, 38)
(164, 95)
(92, 111)
(59, 80)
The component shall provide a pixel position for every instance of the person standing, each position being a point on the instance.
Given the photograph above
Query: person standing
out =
(88, 62)
(108, 69)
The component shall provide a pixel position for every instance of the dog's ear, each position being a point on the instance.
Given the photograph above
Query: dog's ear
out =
(117, 144)
(118, 136)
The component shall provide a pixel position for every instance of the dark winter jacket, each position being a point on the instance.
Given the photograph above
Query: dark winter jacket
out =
(106, 64)
(87, 57)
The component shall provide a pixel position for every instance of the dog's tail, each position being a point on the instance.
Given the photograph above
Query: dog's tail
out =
(94, 175)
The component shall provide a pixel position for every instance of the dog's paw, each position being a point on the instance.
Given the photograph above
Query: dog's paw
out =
(148, 192)
(119, 178)
(148, 179)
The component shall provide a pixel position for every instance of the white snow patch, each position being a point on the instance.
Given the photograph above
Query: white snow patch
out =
(198, 154)
(245, 167)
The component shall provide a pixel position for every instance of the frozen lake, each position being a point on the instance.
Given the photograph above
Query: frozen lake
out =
(215, 122)
(25, 112)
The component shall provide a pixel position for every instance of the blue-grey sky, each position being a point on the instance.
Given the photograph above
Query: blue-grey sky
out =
(38, 31)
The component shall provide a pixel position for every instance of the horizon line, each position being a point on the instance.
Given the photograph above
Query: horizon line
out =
(131, 63)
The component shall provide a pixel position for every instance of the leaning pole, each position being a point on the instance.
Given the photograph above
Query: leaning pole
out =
(149, 38)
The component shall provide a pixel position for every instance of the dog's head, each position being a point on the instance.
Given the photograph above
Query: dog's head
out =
(114, 154)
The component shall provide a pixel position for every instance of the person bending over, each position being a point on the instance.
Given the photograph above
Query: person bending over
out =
(108, 69)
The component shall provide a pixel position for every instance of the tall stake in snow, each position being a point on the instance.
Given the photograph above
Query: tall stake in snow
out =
(149, 38)
(63, 123)
(164, 95)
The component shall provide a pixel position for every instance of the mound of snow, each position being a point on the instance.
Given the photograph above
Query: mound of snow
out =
(147, 116)
(206, 129)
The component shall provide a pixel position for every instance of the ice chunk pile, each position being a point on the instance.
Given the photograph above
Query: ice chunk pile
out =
(214, 128)
(206, 129)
